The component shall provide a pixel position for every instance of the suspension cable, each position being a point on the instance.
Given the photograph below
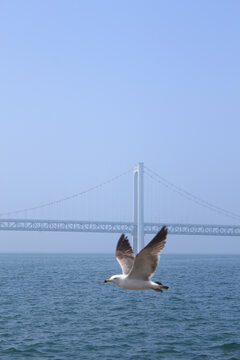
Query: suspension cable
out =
(66, 198)
(187, 195)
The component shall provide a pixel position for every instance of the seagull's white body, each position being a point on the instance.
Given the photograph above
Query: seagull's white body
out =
(137, 271)
(124, 282)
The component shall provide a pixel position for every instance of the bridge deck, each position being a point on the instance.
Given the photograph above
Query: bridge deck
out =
(115, 227)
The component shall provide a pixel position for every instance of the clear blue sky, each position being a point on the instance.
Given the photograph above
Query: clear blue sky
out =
(89, 88)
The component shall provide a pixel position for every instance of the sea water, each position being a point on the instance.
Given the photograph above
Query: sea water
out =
(58, 307)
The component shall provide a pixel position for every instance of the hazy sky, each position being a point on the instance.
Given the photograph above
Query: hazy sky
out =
(90, 88)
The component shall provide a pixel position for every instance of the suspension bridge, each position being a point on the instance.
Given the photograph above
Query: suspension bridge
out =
(137, 228)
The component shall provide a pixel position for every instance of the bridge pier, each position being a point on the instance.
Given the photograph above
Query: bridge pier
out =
(138, 210)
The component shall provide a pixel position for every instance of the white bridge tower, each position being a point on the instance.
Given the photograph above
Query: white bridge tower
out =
(138, 209)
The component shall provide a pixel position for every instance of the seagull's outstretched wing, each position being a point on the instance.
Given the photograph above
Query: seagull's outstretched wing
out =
(146, 261)
(124, 254)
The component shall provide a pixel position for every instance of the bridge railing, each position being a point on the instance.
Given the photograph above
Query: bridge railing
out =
(115, 227)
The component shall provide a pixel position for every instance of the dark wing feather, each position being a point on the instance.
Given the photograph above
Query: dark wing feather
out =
(124, 254)
(146, 261)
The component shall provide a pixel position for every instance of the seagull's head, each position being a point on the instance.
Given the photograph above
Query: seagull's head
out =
(115, 279)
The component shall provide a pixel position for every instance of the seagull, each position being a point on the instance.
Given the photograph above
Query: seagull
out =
(137, 271)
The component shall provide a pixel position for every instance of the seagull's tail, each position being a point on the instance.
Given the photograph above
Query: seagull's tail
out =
(165, 287)
(161, 286)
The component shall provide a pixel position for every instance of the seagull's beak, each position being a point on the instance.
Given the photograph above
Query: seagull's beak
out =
(107, 280)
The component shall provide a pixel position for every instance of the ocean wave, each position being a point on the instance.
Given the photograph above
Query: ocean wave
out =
(233, 346)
